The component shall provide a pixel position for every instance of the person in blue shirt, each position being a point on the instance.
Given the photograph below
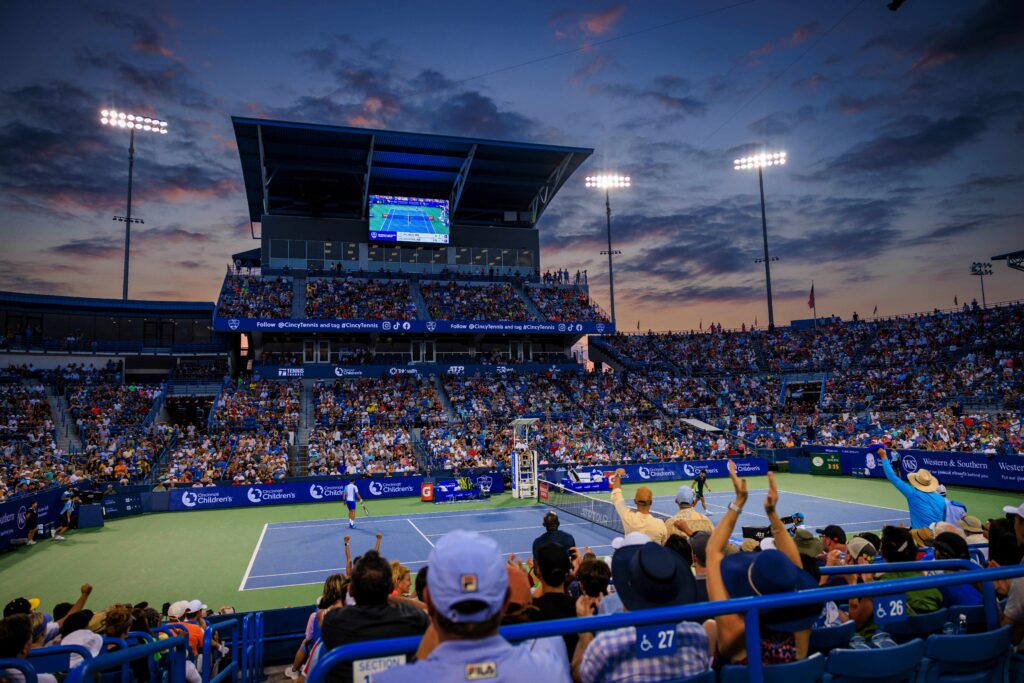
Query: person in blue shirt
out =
(467, 592)
(925, 504)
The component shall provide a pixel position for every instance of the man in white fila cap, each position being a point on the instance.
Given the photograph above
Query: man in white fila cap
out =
(688, 521)
(466, 595)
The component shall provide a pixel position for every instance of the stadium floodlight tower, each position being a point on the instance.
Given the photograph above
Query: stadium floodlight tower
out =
(981, 269)
(143, 124)
(607, 183)
(524, 459)
(760, 161)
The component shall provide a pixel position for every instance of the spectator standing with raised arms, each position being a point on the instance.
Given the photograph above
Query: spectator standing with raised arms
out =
(640, 519)
(926, 505)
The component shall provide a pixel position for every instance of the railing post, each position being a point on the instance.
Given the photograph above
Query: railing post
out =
(752, 629)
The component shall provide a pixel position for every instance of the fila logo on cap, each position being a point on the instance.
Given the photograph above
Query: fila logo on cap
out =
(468, 583)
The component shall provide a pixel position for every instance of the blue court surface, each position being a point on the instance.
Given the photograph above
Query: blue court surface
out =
(307, 552)
(408, 220)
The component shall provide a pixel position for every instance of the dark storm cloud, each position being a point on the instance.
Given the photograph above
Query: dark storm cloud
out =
(996, 26)
(912, 143)
(145, 36)
(89, 248)
(781, 123)
(379, 92)
(171, 82)
(83, 167)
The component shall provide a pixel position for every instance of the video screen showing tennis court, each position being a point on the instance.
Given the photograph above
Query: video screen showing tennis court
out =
(408, 219)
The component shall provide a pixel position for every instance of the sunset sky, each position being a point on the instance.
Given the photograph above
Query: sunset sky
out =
(905, 135)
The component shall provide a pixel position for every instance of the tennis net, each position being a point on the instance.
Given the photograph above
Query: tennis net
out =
(590, 508)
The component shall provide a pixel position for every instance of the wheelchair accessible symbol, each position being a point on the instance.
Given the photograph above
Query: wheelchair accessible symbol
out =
(655, 641)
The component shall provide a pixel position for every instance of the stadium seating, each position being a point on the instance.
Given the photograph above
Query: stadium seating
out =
(359, 299)
(252, 296)
(453, 301)
(565, 304)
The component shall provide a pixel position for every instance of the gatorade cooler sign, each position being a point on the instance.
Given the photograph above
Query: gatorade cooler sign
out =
(543, 491)
(426, 492)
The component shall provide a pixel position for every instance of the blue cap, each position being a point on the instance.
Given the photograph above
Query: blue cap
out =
(875, 447)
(684, 496)
(467, 566)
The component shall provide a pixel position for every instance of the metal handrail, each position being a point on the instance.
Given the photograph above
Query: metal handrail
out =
(231, 669)
(174, 647)
(751, 607)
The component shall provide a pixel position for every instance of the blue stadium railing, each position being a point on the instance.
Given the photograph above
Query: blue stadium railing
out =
(750, 607)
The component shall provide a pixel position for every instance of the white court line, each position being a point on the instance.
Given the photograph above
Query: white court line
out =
(255, 552)
(515, 528)
(422, 515)
(420, 532)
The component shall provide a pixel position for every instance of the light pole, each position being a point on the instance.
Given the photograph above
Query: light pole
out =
(606, 183)
(981, 269)
(131, 122)
(759, 161)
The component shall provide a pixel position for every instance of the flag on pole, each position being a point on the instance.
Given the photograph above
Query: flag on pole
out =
(876, 310)
(638, 324)
(702, 323)
(755, 321)
(810, 300)
(955, 302)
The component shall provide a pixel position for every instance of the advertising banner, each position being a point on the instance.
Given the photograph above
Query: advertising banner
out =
(13, 513)
(991, 471)
(305, 492)
(408, 326)
(332, 490)
(668, 471)
(326, 371)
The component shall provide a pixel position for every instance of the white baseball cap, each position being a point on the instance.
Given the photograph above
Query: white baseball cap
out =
(1014, 510)
(632, 538)
(196, 605)
(178, 609)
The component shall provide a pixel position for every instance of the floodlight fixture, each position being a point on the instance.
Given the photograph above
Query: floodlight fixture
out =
(115, 118)
(981, 269)
(759, 161)
(606, 182)
(609, 182)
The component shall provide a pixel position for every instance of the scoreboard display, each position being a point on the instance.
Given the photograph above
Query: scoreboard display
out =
(826, 463)
(122, 505)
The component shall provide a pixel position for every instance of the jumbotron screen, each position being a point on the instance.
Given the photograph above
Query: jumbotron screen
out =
(408, 219)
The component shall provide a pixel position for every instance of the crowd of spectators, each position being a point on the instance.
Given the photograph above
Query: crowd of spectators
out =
(376, 450)
(253, 296)
(565, 304)
(354, 299)
(249, 404)
(401, 398)
(452, 301)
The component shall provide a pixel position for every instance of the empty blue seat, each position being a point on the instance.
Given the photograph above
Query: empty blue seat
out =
(889, 665)
(807, 670)
(917, 625)
(826, 639)
(22, 665)
(972, 658)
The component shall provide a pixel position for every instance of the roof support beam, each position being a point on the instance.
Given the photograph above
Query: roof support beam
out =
(366, 176)
(460, 183)
(263, 170)
(549, 188)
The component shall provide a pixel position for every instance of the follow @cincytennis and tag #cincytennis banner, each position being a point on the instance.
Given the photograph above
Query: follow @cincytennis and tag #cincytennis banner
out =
(411, 326)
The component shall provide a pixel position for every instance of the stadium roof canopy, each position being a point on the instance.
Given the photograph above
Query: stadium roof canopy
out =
(1014, 259)
(303, 169)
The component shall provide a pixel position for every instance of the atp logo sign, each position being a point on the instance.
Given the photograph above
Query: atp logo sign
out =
(189, 499)
(316, 492)
(254, 495)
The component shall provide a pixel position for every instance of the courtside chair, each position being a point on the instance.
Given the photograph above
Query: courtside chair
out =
(808, 670)
(888, 665)
(917, 625)
(972, 658)
(825, 640)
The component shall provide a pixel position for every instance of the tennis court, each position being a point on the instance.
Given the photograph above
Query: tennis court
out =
(306, 552)
(418, 219)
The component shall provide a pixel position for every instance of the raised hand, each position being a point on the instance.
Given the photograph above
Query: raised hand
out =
(347, 539)
(86, 588)
(772, 499)
(379, 536)
(739, 486)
